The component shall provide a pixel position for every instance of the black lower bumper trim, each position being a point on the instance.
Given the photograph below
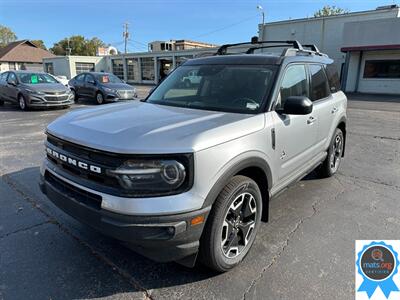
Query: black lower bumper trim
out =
(161, 238)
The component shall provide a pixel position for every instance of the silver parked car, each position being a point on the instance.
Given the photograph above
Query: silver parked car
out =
(189, 172)
(33, 89)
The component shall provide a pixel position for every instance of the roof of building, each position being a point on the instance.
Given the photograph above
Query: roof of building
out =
(23, 51)
(378, 10)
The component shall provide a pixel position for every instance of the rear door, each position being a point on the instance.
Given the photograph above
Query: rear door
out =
(296, 135)
(3, 82)
(10, 89)
(79, 84)
(90, 86)
(323, 103)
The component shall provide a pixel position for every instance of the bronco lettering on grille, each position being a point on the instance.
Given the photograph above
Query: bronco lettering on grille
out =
(73, 162)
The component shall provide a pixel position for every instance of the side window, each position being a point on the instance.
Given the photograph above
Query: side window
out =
(333, 78)
(89, 78)
(80, 77)
(3, 77)
(11, 77)
(319, 83)
(294, 83)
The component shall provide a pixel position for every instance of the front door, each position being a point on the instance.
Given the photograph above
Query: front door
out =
(90, 86)
(296, 135)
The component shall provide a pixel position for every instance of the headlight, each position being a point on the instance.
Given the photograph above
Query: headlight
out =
(109, 90)
(34, 92)
(143, 176)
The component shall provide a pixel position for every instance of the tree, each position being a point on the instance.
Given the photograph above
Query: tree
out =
(330, 11)
(6, 36)
(77, 45)
(39, 43)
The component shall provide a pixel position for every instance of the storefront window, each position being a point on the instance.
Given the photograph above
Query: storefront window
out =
(147, 64)
(133, 69)
(118, 68)
(382, 69)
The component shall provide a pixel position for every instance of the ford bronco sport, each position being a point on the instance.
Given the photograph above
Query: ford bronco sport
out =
(189, 172)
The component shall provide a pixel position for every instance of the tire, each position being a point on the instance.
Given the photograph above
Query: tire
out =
(99, 98)
(226, 227)
(22, 102)
(75, 95)
(332, 162)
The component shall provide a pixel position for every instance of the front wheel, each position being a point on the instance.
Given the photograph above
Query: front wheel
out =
(232, 225)
(332, 161)
(22, 102)
(99, 98)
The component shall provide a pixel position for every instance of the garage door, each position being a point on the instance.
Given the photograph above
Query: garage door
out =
(380, 73)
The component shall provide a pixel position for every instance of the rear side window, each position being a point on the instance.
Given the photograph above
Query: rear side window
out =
(333, 78)
(319, 83)
(3, 77)
(294, 83)
(80, 77)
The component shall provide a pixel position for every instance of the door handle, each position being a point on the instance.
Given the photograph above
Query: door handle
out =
(311, 120)
(334, 110)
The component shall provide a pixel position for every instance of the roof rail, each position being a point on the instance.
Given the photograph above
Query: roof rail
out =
(251, 50)
(254, 41)
(312, 47)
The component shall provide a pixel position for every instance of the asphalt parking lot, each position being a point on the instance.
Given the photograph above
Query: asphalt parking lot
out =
(306, 251)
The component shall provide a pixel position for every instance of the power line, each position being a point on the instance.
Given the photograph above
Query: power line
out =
(225, 27)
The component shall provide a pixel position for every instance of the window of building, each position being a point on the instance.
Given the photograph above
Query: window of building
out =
(294, 83)
(333, 78)
(133, 69)
(147, 64)
(49, 68)
(118, 68)
(11, 66)
(382, 68)
(84, 67)
(319, 83)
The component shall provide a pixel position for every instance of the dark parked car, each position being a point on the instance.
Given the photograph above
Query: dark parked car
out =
(101, 86)
(33, 89)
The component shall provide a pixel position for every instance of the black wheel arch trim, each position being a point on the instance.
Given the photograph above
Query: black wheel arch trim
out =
(343, 120)
(251, 162)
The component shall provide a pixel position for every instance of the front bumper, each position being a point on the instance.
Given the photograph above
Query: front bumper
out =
(161, 238)
(41, 101)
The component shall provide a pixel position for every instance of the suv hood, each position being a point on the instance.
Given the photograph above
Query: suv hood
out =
(47, 87)
(144, 128)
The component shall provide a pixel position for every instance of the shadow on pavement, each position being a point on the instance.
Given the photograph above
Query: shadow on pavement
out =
(61, 258)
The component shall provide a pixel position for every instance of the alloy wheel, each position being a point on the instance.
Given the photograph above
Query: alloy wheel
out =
(336, 154)
(21, 102)
(99, 98)
(239, 224)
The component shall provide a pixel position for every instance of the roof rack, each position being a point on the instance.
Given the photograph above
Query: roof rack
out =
(295, 48)
(254, 41)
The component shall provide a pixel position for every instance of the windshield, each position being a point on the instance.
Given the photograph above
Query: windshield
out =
(230, 88)
(36, 78)
(108, 78)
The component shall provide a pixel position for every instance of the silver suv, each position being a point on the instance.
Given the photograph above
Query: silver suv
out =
(189, 171)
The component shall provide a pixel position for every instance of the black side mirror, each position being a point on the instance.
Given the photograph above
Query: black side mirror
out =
(297, 105)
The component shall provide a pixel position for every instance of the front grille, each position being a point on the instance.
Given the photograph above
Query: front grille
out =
(56, 98)
(74, 192)
(101, 181)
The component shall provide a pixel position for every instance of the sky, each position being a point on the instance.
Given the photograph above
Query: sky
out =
(218, 21)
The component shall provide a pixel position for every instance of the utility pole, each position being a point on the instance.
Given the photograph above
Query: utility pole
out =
(125, 34)
(69, 48)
